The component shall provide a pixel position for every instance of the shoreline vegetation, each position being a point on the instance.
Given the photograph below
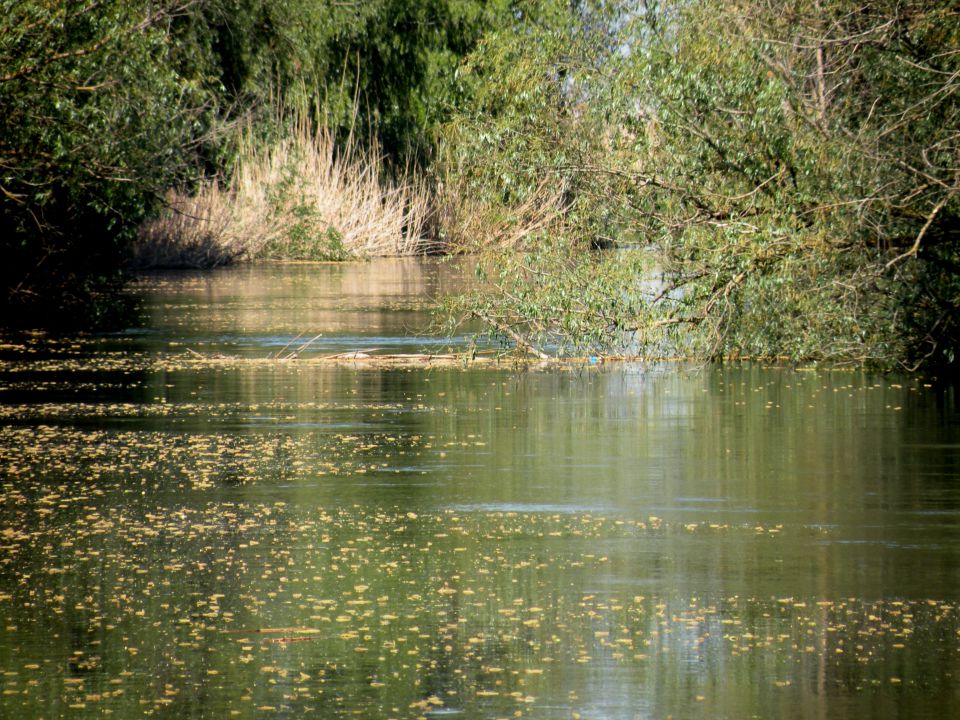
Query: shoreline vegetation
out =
(300, 197)
(698, 178)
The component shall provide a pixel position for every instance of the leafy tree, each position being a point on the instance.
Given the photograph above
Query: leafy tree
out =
(800, 157)
(104, 105)
(793, 170)
(98, 113)
(384, 67)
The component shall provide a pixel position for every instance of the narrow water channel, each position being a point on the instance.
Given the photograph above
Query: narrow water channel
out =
(193, 528)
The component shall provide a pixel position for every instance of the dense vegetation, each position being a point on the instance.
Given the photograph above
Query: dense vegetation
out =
(97, 108)
(104, 105)
(792, 169)
(790, 172)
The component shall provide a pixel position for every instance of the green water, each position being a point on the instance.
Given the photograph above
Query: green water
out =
(189, 529)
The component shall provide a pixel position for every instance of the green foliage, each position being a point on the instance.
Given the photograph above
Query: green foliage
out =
(793, 170)
(799, 159)
(96, 111)
(307, 237)
(105, 106)
(531, 137)
(384, 67)
(555, 300)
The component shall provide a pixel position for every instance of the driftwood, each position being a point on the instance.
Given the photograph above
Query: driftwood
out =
(367, 358)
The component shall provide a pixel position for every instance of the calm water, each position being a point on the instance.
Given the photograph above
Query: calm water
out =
(190, 529)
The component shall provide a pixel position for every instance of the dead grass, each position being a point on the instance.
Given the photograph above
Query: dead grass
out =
(302, 197)
(198, 231)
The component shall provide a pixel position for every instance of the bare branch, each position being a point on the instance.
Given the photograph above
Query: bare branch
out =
(923, 231)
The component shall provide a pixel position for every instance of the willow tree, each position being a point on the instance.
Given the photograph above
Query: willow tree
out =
(793, 170)
(380, 67)
(801, 166)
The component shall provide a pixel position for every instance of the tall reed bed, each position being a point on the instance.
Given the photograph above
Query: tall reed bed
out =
(301, 197)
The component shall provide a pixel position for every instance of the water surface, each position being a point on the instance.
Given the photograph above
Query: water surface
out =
(263, 538)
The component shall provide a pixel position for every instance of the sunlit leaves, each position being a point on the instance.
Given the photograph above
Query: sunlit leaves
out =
(793, 171)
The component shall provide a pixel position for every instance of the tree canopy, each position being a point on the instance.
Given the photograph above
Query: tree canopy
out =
(788, 174)
(792, 170)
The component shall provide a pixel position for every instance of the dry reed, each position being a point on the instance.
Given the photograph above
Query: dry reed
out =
(302, 197)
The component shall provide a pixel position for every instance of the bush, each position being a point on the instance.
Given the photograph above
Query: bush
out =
(96, 113)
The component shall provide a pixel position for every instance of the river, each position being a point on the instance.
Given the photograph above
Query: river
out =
(201, 519)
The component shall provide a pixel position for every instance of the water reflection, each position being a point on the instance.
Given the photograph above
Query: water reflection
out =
(289, 540)
(380, 305)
